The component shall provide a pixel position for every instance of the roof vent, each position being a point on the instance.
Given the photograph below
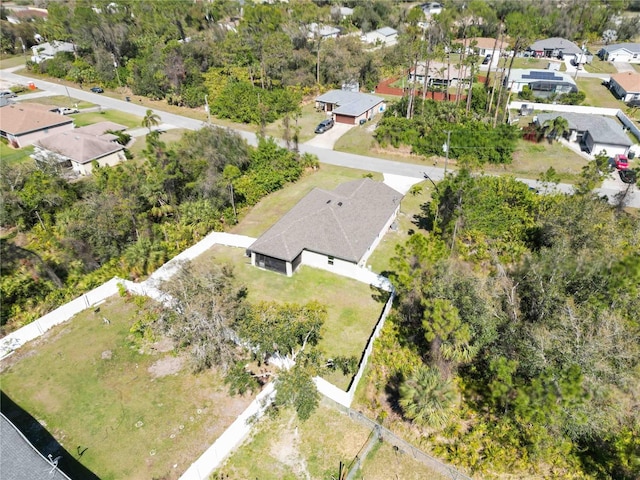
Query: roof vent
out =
(339, 204)
(329, 201)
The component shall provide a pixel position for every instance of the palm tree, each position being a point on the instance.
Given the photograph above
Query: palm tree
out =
(555, 128)
(426, 398)
(151, 119)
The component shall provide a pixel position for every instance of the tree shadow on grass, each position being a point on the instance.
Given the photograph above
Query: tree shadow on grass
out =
(43, 441)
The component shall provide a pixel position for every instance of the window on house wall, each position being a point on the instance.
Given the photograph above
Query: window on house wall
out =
(330, 260)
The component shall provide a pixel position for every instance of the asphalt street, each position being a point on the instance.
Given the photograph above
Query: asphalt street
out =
(325, 155)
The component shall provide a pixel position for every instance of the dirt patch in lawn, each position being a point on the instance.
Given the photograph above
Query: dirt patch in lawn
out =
(286, 451)
(166, 366)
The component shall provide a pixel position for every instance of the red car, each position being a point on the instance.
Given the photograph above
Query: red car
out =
(622, 162)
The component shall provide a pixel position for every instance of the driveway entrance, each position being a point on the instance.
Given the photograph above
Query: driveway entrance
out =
(329, 138)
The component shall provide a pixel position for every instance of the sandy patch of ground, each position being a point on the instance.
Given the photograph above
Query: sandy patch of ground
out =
(286, 451)
(166, 366)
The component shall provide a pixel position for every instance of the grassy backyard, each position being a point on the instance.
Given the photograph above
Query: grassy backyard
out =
(597, 95)
(14, 156)
(131, 414)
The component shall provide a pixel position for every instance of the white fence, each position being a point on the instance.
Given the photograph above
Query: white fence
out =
(213, 457)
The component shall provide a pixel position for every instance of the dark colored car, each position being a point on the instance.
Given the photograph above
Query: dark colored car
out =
(487, 59)
(627, 176)
(97, 89)
(324, 125)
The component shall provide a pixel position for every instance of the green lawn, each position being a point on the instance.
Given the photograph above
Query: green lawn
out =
(306, 123)
(385, 462)
(283, 448)
(138, 415)
(62, 101)
(12, 61)
(597, 95)
(89, 118)
(168, 137)
(599, 66)
(529, 62)
(11, 156)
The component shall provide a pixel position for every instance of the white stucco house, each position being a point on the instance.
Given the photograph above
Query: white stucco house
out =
(48, 50)
(384, 35)
(621, 52)
(350, 107)
(23, 124)
(333, 230)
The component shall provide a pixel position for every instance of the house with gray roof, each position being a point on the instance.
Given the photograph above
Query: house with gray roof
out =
(19, 459)
(595, 134)
(621, 52)
(557, 47)
(543, 83)
(334, 230)
(382, 36)
(350, 107)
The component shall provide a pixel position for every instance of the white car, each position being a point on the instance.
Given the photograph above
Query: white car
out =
(65, 110)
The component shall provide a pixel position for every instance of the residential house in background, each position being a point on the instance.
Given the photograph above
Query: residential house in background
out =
(350, 107)
(342, 12)
(440, 74)
(384, 35)
(595, 134)
(23, 124)
(560, 48)
(486, 48)
(78, 148)
(543, 83)
(322, 31)
(625, 86)
(333, 230)
(621, 52)
(28, 14)
(46, 51)
(431, 8)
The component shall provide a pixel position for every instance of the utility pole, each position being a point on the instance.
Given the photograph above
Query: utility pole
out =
(445, 147)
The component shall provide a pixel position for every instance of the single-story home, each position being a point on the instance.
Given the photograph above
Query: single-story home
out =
(28, 14)
(621, 52)
(384, 35)
(558, 48)
(625, 86)
(350, 107)
(543, 83)
(484, 46)
(431, 8)
(322, 31)
(440, 74)
(594, 133)
(78, 148)
(23, 124)
(334, 230)
(46, 51)
(20, 458)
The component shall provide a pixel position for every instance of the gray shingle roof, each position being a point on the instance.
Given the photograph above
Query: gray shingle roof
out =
(632, 47)
(19, 460)
(602, 129)
(563, 44)
(342, 223)
(387, 31)
(350, 103)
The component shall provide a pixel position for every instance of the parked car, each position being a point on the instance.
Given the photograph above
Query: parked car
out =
(97, 89)
(7, 94)
(65, 110)
(627, 176)
(621, 162)
(487, 59)
(325, 125)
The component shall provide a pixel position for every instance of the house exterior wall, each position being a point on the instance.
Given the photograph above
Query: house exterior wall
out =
(620, 55)
(621, 93)
(330, 264)
(30, 138)
(598, 148)
(109, 160)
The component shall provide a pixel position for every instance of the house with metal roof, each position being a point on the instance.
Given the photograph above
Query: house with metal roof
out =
(350, 107)
(333, 230)
(77, 149)
(621, 52)
(625, 86)
(384, 35)
(595, 134)
(543, 83)
(23, 124)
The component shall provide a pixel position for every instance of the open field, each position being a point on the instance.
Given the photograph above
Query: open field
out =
(12, 156)
(12, 61)
(168, 137)
(62, 101)
(88, 118)
(131, 414)
(385, 462)
(597, 95)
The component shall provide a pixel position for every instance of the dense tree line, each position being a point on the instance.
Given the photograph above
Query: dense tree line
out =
(515, 343)
(130, 219)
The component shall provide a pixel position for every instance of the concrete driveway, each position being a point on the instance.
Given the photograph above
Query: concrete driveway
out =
(624, 67)
(329, 138)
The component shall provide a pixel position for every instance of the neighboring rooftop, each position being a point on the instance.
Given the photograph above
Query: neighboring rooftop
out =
(19, 460)
(22, 118)
(350, 103)
(99, 129)
(528, 75)
(78, 146)
(342, 223)
(387, 31)
(602, 129)
(631, 47)
(556, 43)
(485, 43)
(630, 81)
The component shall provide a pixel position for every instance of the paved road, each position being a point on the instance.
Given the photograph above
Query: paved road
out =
(325, 155)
